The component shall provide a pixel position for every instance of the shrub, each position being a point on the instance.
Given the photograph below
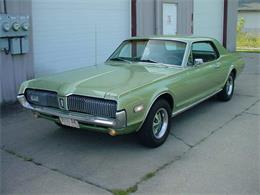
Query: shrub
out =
(246, 41)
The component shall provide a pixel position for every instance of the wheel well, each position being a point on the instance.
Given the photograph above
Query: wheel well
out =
(234, 72)
(168, 98)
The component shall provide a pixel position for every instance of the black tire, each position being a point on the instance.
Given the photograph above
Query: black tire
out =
(228, 90)
(160, 112)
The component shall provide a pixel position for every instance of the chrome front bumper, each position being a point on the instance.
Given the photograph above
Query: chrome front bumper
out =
(117, 123)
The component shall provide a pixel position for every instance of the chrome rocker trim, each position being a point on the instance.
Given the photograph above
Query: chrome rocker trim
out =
(117, 123)
(194, 104)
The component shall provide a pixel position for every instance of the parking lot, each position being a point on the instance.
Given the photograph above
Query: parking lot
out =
(212, 148)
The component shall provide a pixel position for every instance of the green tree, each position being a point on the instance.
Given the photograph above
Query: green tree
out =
(240, 25)
(246, 41)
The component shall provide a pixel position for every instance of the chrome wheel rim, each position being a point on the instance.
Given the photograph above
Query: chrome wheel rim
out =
(229, 85)
(160, 123)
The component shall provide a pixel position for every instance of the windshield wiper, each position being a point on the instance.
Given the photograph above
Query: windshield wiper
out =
(148, 60)
(120, 59)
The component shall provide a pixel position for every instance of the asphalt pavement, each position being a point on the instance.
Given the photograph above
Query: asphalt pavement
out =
(212, 148)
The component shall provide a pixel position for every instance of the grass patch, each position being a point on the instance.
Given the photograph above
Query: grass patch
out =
(134, 188)
(248, 50)
(119, 192)
(246, 41)
(148, 176)
(129, 190)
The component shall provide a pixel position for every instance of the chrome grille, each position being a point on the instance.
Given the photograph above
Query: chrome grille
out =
(42, 98)
(92, 106)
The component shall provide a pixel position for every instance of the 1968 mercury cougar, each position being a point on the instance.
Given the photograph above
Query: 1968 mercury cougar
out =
(144, 83)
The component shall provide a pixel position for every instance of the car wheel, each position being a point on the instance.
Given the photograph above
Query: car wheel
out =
(227, 92)
(156, 126)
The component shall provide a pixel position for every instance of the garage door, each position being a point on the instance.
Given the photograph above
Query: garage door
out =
(208, 18)
(69, 34)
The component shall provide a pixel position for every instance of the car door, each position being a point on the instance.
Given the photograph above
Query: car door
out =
(200, 75)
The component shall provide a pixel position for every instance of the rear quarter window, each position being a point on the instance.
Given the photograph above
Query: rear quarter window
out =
(206, 51)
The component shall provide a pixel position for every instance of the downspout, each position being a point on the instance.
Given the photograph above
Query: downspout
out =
(5, 9)
(133, 18)
(225, 17)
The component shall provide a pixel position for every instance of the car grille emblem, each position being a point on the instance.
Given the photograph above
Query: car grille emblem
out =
(62, 103)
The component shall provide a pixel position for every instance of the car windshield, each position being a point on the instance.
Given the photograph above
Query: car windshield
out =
(151, 51)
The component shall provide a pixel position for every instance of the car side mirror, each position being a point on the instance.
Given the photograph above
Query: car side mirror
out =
(198, 61)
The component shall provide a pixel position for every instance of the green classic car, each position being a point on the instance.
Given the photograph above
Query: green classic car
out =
(145, 82)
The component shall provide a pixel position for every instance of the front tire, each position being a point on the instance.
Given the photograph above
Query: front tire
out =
(228, 90)
(156, 127)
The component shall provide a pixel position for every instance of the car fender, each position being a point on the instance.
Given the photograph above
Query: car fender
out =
(155, 97)
(232, 67)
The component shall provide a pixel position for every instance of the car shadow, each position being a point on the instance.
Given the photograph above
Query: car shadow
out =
(90, 138)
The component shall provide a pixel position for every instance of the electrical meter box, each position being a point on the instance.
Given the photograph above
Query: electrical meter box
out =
(14, 26)
(14, 34)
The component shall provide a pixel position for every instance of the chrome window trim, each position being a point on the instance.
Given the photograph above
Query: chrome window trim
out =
(203, 41)
(184, 60)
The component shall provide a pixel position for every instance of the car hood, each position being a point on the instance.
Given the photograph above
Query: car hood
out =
(103, 80)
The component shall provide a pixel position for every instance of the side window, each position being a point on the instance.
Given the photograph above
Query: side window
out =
(204, 52)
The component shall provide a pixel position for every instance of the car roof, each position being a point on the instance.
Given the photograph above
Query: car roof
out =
(175, 38)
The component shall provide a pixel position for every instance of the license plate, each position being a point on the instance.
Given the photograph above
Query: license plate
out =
(69, 122)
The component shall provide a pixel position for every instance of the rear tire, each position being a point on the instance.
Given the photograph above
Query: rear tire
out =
(157, 124)
(228, 90)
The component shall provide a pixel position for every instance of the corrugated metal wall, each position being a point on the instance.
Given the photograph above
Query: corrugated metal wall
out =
(18, 68)
(149, 14)
(208, 18)
(146, 19)
(232, 25)
(69, 34)
(184, 16)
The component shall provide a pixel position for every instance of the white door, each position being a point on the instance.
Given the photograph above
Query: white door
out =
(169, 18)
(69, 34)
